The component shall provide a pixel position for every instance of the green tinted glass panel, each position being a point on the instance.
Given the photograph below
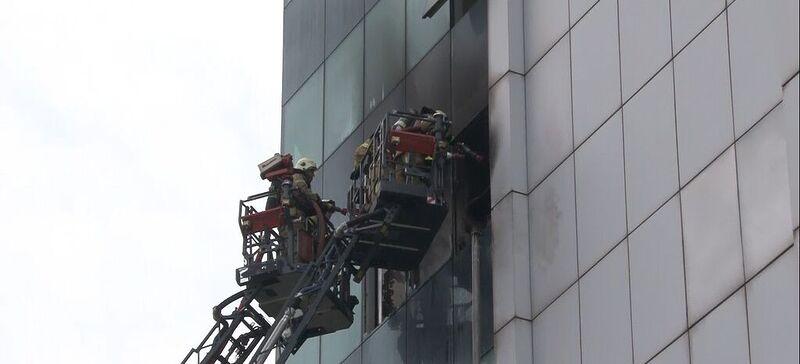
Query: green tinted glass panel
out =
(337, 173)
(340, 17)
(308, 353)
(385, 51)
(302, 120)
(344, 89)
(303, 42)
(424, 33)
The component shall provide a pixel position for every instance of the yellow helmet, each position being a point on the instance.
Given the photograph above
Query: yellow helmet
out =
(305, 164)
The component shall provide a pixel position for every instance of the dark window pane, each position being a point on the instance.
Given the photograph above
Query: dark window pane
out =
(471, 207)
(387, 345)
(487, 303)
(395, 101)
(461, 7)
(370, 290)
(308, 353)
(429, 321)
(385, 46)
(340, 17)
(343, 89)
(428, 84)
(440, 250)
(424, 33)
(462, 300)
(303, 42)
(302, 120)
(470, 65)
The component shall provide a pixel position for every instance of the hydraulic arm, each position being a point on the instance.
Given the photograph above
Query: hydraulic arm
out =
(234, 337)
(300, 275)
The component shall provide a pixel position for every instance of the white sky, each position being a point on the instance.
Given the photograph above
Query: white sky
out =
(128, 132)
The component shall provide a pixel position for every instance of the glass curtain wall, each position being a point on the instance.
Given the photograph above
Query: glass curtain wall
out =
(347, 63)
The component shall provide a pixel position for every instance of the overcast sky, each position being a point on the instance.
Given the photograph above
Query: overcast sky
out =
(128, 132)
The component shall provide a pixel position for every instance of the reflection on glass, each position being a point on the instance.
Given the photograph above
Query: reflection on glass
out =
(303, 42)
(385, 50)
(343, 89)
(393, 291)
(302, 120)
(424, 33)
(430, 320)
(387, 345)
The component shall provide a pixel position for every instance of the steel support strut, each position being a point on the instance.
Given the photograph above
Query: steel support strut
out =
(239, 347)
(297, 331)
(312, 286)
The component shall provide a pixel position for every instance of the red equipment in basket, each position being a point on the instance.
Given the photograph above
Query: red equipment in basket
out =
(279, 166)
(405, 141)
(260, 221)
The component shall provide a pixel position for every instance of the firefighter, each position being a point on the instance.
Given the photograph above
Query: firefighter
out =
(419, 125)
(304, 171)
(305, 210)
(361, 152)
(406, 161)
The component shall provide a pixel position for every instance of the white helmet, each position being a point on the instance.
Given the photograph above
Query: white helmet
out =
(305, 164)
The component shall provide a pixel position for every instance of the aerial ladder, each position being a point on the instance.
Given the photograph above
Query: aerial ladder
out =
(300, 277)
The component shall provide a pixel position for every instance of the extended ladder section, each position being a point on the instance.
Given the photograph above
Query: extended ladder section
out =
(297, 268)
(316, 302)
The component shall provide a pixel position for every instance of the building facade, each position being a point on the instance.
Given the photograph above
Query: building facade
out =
(642, 183)
(346, 64)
